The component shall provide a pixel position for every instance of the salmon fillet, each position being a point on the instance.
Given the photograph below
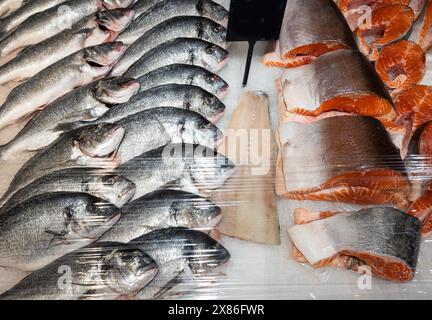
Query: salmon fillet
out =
(422, 30)
(422, 209)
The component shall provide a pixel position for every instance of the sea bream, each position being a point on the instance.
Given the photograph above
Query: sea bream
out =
(309, 30)
(37, 232)
(180, 51)
(192, 168)
(98, 28)
(342, 81)
(48, 23)
(157, 127)
(84, 104)
(7, 7)
(184, 27)
(341, 159)
(170, 9)
(185, 74)
(164, 209)
(174, 95)
(76, 70)
(175, 250)
(114, 189)
(92, 146)
(100, 271)
(384, 239)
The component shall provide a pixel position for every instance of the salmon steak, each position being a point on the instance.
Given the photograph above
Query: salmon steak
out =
(422, 209)
(421, 32)
(310, 29)
(344, 159)
(388, 25)
(401, 64)
(383, 239)
(341, 81)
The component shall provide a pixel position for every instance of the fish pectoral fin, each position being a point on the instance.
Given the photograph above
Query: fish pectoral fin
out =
(66, 126)
(59, 238)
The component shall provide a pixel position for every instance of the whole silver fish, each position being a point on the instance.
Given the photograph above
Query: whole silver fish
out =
(180, 51)
(37, 232)
(98, 28)
(112, 188)
(7, 7)
(170, 9)
(185, 27)
(185, 74)
(50, 22)
(91, 146)
(108, 269)
(178, 96)
(174, 250)
(192, 168)
(24, 10)
(163, 209)
(84, 104)
(154, 128)
(60, 78)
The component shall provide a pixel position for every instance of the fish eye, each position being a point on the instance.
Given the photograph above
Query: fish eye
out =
(209, 100)
(219, 28)
(210, 50)
(93, 207)
(110, 181)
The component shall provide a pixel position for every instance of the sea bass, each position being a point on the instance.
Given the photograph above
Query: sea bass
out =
(193, 168)
(184, 27)
(170, 9)
(91, 146)
(383, 239)
(98, 28)
(163, 209)
(58, 79)
(48, 23)
(180, 51)
(101, 271)
(37, 232)
(84, 104)
(174, 250)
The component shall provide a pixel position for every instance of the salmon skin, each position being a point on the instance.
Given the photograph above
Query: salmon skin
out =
(337, 81)
(384, 239)
(389, 24)
(422, 30)
(401, 64)
(348, 159)
(310, 28)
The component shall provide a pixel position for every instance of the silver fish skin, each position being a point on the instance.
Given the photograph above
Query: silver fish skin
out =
(141, 7)
(378, 233)
(180, 51)
(163, 209)
(25, 10)
(174, 250)
(48, 23)
(43, 229)
(60, 78)
(8, 7)
(154, 128)
(108, 269)
(178, 96)
(114, 189)
(91, 146)
(185, 27)
(83, 104)
(186, 167)
(187, 75)
(170, 9)
(98, 28)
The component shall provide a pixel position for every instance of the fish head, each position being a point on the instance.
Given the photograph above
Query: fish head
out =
(214, 32)
(116, 4)
(196, 212)
(115, 20)
(219, 85)
(100, 140)
(127, 270)
(210, 169)
(194, 128)
(99, 59)
(213, 57)
(210, 105)
(89, 219)
(112, 188)
(116, 90)
(213, 10)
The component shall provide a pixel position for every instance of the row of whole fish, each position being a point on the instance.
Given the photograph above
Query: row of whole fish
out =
(338, 124)
(113, 103)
